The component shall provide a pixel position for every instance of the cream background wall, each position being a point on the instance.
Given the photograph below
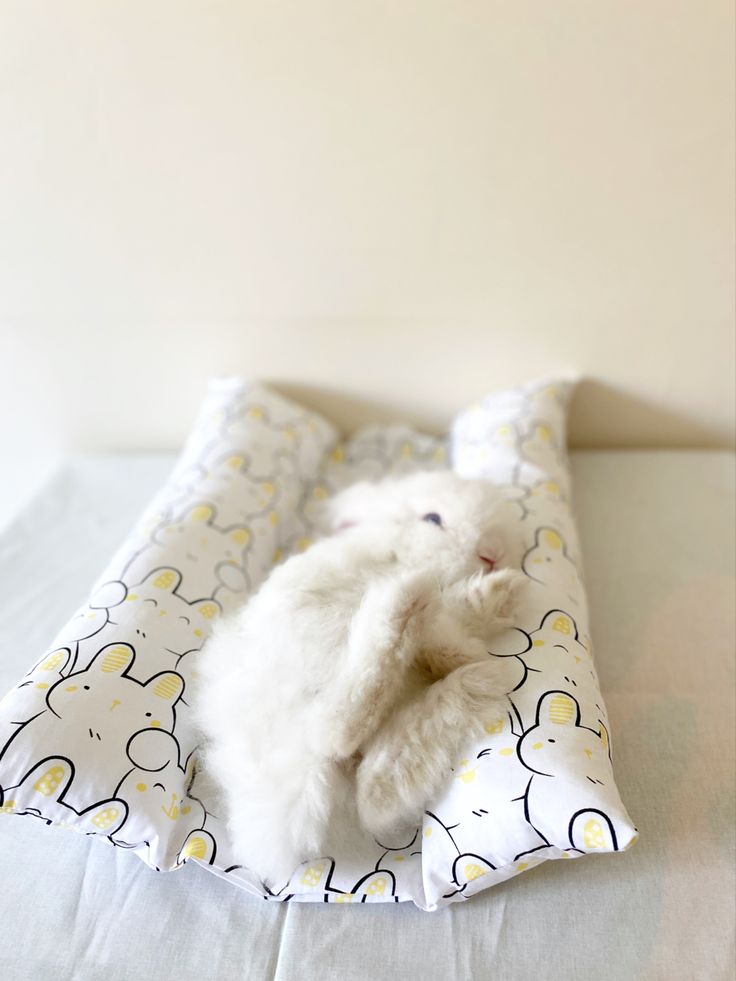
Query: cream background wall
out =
(387, 208)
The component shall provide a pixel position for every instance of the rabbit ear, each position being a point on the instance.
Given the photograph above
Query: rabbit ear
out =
(347, 508)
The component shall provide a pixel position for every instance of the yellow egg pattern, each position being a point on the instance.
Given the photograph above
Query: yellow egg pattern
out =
(105, 818)
(165, 580)
(552, 540)
(377, 887)
(312, 876)
(593, 834)
(473, 871)
(54, 661)
(195, 848)
(562, 625)
(466, 774)
(48, 783)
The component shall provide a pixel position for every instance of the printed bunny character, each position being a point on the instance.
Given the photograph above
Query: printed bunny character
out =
(100, 611)
(41, 793)
(28, 698)
(448, 869)
(548, 563)
(539, 660)
(200, 845)
(265, 421)
(158, 621)
(541, 453)
(156, 793)
(88, 719)
(233, 483)
(210, 558)
(499, 781)
(376, 886)
(545, 501)
(482, 827)
(570, 764)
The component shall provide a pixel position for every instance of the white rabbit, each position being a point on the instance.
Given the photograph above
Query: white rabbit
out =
(360, 661)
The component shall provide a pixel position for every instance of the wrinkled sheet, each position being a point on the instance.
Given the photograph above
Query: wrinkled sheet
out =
(657, 532)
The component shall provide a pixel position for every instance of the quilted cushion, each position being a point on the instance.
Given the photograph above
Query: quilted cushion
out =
(97, 736)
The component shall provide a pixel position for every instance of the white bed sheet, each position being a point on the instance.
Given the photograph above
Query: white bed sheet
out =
(657, 530)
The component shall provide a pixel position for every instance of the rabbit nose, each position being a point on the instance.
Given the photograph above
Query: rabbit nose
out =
(490, 549)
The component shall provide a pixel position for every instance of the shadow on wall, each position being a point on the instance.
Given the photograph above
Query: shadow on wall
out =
(349, 412)
(601, 416)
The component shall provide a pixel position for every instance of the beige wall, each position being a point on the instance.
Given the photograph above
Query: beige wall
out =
(386, 207)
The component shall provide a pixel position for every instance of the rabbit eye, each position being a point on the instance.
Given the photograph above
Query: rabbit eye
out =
(433, 517)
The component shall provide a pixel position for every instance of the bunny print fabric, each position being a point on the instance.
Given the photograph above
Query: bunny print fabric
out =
(97, 736)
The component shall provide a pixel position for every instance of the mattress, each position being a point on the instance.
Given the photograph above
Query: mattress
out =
(657, 530)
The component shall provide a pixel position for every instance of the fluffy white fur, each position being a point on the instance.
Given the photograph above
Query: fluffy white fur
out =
(359, 669)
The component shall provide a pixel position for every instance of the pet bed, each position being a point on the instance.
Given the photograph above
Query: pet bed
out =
(97, 735)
